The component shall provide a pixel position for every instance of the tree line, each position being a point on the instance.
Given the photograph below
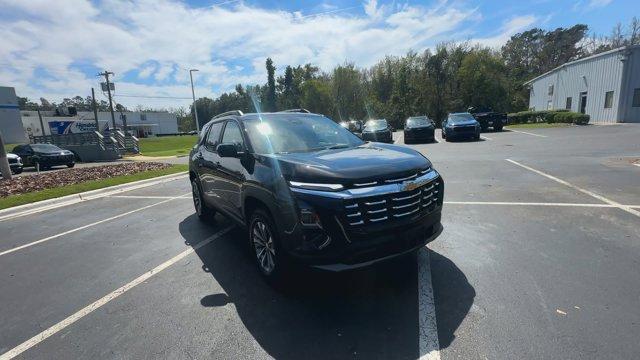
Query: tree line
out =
(452, 77)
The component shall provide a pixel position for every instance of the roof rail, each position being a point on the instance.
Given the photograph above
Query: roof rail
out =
(233, 112)
(300, 110)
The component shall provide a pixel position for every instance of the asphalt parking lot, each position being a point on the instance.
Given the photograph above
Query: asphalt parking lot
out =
(539, 259)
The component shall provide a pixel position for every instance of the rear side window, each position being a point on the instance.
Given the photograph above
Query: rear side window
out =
(214, 134)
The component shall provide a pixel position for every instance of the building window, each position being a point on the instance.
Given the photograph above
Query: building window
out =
(636, 98)
(568, 106)
(608, 99)
(549, 105)
(143, 117)
(550, 92)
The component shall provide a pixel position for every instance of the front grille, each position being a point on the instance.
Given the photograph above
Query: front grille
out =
(394, 206)
(13, 161)
(464, 129)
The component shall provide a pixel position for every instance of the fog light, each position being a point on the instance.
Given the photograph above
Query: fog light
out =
(308, 217)
(315, 240)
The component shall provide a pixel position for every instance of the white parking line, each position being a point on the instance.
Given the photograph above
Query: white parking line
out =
(506, 203)
(528, 133)
(146, 197)
(105, 299)
(6, 252)
(626, 208)
(77, 198)
(428, 338)
(637, 164)
(486, 138)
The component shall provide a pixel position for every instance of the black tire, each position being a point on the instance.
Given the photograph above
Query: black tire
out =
(497, 128)
(204, 212)
(70, 165)
(17, 171)
(477, 137)
(265, 247)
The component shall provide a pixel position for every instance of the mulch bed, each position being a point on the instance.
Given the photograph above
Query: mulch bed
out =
(47, 180)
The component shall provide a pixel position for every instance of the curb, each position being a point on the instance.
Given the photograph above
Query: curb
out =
(36, 207)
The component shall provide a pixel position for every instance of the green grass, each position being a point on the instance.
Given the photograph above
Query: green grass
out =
(537, 126)
(167, 145)
(21, 199)
(9, 147)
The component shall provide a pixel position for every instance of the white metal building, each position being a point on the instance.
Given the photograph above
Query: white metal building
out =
(604, 86)
(142, 124)
(10, 124)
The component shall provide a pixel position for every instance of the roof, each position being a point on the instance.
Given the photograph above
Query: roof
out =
(620, 49)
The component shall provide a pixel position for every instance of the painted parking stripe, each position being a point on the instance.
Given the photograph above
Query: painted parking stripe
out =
(106, 299)
(77, 198)
(49, 238)
(486, 138)
(429, 345)
(626, 208)
(146, 197)
(507, 203)
(528, 133)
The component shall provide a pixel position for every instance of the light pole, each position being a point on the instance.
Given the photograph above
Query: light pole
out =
(193, 93)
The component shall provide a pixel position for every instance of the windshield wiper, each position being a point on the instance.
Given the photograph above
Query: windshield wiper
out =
(337, 146)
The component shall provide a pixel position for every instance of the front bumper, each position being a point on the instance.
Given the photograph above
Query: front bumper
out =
(385, 137)
(365, 233)
(419, 135)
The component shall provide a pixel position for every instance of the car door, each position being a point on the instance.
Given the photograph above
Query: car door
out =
(232, 171)
(25, 152)
(208, 163)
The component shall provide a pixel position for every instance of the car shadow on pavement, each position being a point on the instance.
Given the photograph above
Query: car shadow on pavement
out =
(453, 296)
(368, 313)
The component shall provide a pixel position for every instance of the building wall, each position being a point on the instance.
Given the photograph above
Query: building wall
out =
(10, 124)
(628, 112)
(594, 76)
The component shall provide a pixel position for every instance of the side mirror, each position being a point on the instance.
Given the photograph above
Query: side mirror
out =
(227, 150)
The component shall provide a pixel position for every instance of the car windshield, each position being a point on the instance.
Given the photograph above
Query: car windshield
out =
(289, 133)
(463, 117)
(45, 147)
(376, 125)
(418, 121)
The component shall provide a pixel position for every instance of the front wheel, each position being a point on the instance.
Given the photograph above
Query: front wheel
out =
(265, 246)
(204, 212)
(70, 165)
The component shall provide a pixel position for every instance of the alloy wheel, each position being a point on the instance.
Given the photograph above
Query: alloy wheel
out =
(197, 201)
(264, 246)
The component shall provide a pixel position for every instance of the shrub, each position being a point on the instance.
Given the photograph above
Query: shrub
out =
(548, 116)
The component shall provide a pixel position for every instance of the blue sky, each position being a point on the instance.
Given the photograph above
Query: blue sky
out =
(53, 49)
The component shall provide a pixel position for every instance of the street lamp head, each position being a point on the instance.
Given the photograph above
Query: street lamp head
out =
(192, 70)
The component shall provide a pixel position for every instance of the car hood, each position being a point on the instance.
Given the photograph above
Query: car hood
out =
(464, 123)
(419, 127)
(365, 163)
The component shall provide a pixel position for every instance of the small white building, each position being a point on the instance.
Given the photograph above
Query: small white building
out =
(142, 124)
(605, 86)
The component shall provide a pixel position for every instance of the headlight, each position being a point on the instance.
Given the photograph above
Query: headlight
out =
(316, 186)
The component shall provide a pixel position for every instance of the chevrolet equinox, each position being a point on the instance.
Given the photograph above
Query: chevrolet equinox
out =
(311, 192)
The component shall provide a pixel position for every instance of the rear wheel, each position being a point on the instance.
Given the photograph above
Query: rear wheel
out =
(204, 212)
(70, 165)
(265, 247)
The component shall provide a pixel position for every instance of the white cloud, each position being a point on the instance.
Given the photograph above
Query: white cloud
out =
(593, 4)
(159, 40)
(509, 28)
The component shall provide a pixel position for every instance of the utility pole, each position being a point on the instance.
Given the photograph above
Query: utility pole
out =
(41, 123)
(106, 76)
(95, 108)
(193, 93)
(5, 169)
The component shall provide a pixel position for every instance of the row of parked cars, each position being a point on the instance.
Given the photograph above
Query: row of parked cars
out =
(422, 128)
(43, 156)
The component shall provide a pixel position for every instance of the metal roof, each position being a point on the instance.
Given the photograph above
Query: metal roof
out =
(620, 49)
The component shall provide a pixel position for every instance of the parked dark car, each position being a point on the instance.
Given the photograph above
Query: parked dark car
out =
(354, 126)
(419, 129)
(47, 155)
(310, 192)
(378, 131)
(460, 126)
(488, 118)
(15, 163)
